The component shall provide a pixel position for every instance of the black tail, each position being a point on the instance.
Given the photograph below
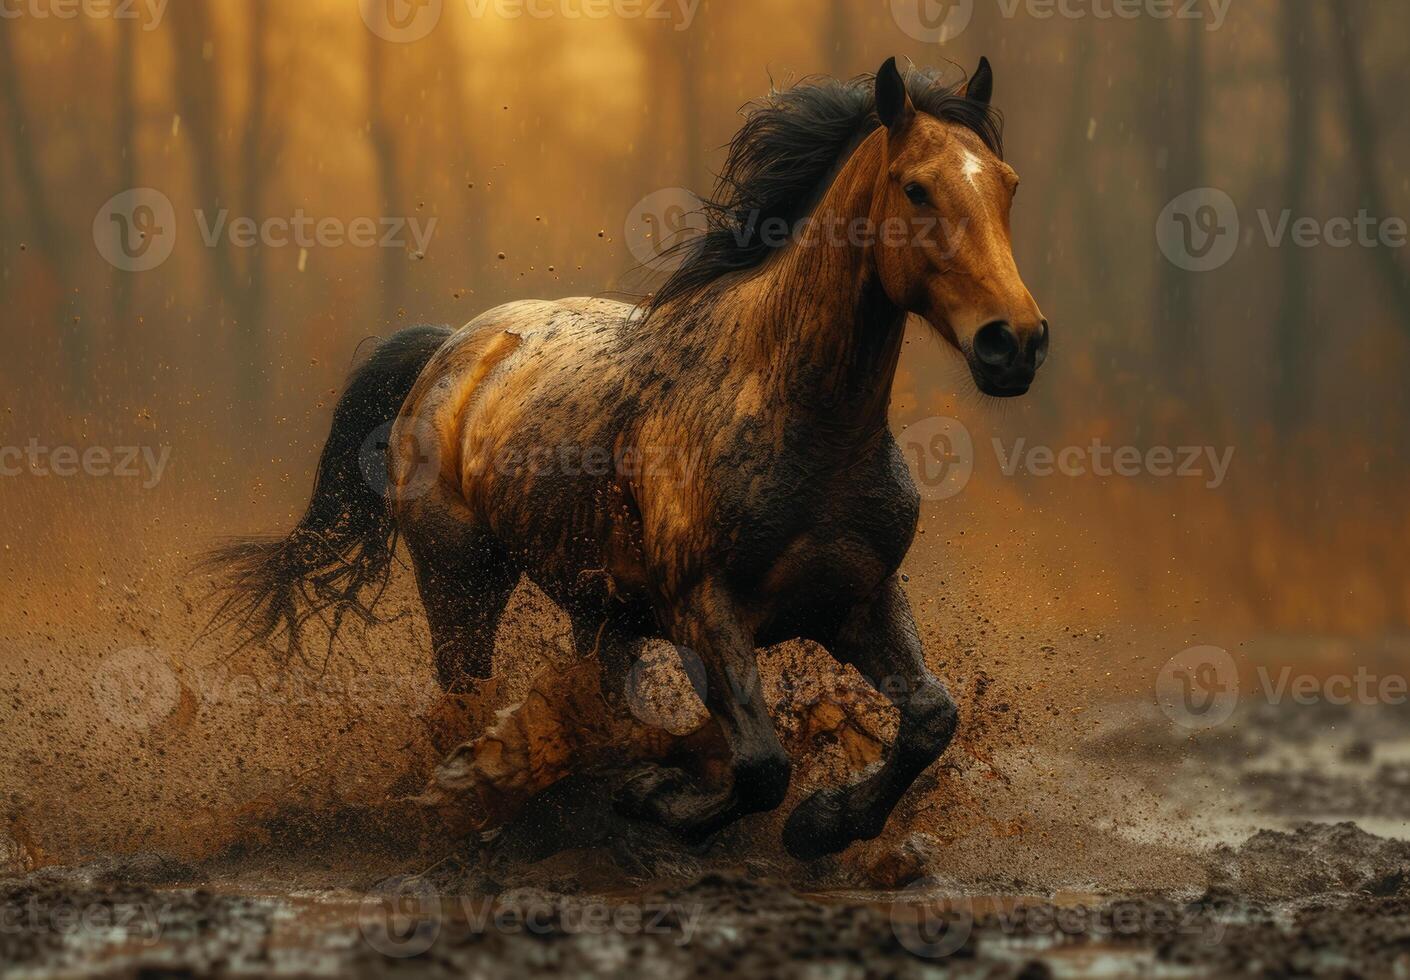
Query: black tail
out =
(339, 557)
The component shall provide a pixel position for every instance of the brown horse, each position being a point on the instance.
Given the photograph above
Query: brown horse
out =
(714, 466)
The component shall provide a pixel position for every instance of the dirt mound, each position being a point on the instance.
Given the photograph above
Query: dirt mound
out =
(1313, 859)
(1364, 936)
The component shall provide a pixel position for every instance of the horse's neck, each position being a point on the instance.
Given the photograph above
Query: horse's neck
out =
(823, 329)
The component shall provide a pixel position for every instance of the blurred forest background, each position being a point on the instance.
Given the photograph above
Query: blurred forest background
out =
(530, 140)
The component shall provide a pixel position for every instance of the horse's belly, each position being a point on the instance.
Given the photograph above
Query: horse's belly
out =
(816, 582)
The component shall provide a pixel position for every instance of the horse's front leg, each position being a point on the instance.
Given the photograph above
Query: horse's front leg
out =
(881, 641)
(758, 769)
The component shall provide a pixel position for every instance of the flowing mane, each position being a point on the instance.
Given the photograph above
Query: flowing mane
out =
(783, 158)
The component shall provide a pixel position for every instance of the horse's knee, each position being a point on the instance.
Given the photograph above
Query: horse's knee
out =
(761, 780)
(929, 720)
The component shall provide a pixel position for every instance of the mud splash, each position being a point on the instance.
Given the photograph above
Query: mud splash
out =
(149, 916)
(274, 813)
(566, 886)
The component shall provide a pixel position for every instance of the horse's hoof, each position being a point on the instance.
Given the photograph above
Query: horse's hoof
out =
(818, 826)
(645, 790)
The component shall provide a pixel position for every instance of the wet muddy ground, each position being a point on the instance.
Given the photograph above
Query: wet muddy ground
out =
(1272, 845)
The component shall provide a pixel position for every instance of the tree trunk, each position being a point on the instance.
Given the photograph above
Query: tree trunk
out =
(1291, 334)
(1069, 161)
(253, 364)
(837, 40)
(648, 148)
(125, 148)
(1180, 110)
(199, 103)
(384, 153)
(451, 68)
(692, 119)
(49, 237)
(241, 288)
(1365, 144)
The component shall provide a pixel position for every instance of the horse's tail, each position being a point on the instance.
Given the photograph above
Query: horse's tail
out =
(339, 556)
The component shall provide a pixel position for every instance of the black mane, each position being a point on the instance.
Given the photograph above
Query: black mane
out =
(782, 159)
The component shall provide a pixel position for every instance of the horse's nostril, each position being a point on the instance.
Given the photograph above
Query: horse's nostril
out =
(996, 344)
(1040, 349)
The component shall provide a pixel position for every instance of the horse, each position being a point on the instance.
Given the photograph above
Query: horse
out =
(712, 465)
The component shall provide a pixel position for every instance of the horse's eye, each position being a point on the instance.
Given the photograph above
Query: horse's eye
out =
(917, 194)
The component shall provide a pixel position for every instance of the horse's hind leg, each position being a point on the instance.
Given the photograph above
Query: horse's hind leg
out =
(757, 768)
(465, 579)
(881, 640)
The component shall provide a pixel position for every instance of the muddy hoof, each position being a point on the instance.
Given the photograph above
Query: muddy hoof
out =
(820, 826)
(648, 791)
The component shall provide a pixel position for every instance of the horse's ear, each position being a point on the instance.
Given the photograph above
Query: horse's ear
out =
(893, 102)
(981, 83)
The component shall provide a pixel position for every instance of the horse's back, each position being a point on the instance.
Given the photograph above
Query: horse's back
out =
(523, 375)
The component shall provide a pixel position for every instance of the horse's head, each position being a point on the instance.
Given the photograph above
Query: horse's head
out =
(955, 265)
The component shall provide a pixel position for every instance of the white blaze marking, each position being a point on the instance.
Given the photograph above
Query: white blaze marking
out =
(973, 167)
